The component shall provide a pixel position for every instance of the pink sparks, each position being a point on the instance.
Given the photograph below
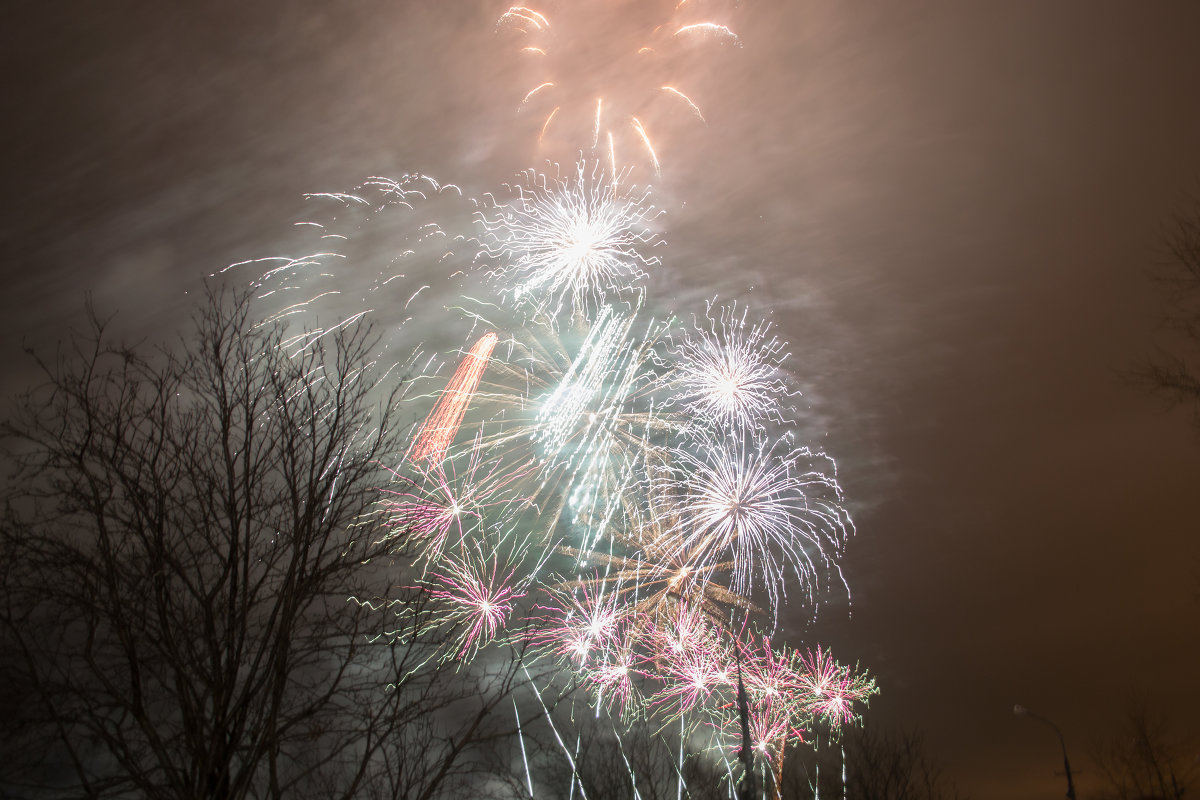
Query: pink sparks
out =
(580, 625)
(479, 599)
(441, 498)
(829, 689)
(612, 677)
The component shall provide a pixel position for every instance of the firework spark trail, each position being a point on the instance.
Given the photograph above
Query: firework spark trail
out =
(570, 242)
(351, 274)
(634, 56)
(524, 19)
(562, 412)
(710, 28)
(695, 109)
(437, 433)
(645, 137)
(589, 404)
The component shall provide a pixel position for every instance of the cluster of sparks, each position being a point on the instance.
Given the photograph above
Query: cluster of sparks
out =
(442, 424)
(616, 491)
(621, 493)
(652, 463)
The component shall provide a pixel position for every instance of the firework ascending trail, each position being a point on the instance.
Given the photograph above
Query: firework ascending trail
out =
(437, 434)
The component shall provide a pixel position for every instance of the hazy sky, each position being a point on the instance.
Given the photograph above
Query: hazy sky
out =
(950, 208)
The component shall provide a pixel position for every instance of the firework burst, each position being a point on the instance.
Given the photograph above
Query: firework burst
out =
(579, 626)
(570, 243)
(829, 690)
(765, 506)
(366, 254)
(606, 73)
(728, 372)
(477, 594)
(426, 504)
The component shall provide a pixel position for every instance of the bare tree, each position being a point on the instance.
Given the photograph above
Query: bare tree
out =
(181, 535)
(1146, 760)
(867, 764)
(1176, 373)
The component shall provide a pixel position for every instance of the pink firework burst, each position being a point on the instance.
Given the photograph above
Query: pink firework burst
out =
(478, 594)
(769, 674)
(612, 675)
(830, 690)
(690, 677)
(771, 726)
(580, 625)
(441, 499)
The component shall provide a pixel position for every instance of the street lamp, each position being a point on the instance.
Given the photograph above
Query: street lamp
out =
(1021, 711)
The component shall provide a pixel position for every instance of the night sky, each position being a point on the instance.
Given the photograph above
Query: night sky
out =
(949, 209)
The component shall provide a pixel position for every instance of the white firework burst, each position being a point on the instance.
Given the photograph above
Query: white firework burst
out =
(726, 371)
(570, 243)
(765, 506)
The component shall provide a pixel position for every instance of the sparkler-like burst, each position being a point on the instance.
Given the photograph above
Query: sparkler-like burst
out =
(478, 594)
(570, 242)
(427, 503)
(579, 626)
(765, 506)
(830, 691)
(727, 370)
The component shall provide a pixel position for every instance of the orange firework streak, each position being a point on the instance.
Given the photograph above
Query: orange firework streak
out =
(441, 425)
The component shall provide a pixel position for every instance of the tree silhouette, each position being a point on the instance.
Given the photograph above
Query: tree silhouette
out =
(1175, 373)
(181, 535)
(1145, 759)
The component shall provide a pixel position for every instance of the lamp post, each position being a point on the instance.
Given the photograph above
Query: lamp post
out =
(1022, 711)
